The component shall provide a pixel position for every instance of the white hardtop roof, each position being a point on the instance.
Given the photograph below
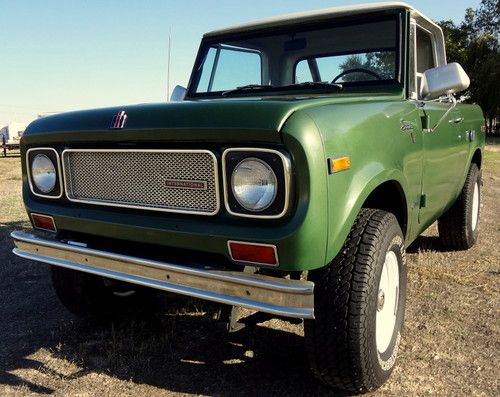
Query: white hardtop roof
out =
(317, 15)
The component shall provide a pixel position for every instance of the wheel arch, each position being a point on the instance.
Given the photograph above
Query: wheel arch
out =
(384, 190)
(389, 196)
(477, 158)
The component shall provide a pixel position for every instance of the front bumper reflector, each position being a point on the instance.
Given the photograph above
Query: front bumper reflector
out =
(284, 297)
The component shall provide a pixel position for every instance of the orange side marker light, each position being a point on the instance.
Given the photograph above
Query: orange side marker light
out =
(340, 164)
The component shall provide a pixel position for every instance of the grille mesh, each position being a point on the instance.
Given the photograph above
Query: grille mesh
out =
(143, 179)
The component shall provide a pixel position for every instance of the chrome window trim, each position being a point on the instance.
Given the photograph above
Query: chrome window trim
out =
(286, 173)
(258, 244)
(171, 210)
(58, 167)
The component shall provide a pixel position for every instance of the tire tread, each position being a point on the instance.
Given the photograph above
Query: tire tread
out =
(340, 313)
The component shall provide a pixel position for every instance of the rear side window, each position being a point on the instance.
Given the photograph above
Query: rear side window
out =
(349, 68)
(425, 55)
(425, 51)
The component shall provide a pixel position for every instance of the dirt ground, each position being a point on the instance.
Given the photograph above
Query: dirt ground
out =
(451, 344)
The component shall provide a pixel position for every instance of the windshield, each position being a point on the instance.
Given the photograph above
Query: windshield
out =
(325, 57)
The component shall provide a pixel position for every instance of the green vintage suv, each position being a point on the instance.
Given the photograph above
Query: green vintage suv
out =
(307, 152)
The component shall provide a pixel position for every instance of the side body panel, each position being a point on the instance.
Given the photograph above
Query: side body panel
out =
(445, 156)
(448, 150)
(472, 128)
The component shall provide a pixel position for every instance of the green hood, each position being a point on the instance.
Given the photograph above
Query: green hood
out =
(249, 119)
(172, 118)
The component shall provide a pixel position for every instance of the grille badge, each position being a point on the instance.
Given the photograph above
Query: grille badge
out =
(118, 121)
(185, 184)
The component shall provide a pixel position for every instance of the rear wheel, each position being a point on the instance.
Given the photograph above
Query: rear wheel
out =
(359, 306)
(459, 226)
(87, 295)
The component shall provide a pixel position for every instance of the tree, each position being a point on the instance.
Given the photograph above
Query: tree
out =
(455, 41)
(382, 63)
(353, 62)
(487, 18)
(475, 45)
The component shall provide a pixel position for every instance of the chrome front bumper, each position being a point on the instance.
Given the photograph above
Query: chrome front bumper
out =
(284, 297)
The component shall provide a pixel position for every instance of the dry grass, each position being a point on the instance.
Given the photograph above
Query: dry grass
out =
(451, 345)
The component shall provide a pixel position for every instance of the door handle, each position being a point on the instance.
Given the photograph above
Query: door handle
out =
(457, 120)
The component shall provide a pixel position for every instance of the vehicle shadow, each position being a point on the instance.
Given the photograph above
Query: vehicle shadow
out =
(426, 243)
(180, 348)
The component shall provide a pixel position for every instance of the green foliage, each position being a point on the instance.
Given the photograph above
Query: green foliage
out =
(382, 63)
(487, 18)
(475, 45)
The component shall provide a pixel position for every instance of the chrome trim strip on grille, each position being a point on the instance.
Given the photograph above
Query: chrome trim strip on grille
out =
(59, 174)
(286, 171)
(151, 208)
(285, 297)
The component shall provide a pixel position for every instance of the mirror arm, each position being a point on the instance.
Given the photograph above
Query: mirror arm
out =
(453, 105)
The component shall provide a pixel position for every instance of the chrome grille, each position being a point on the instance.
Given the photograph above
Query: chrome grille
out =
(173, 181)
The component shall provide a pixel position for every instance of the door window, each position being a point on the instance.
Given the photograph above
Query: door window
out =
(425, 54)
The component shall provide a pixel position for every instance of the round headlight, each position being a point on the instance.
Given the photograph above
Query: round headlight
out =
(43, 173)
(254, 184)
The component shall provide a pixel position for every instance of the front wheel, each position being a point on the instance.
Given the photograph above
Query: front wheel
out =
(359, 306)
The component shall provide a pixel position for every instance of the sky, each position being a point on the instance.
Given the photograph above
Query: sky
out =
(61, 55)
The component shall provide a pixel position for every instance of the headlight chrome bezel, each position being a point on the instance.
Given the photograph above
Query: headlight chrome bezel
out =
(278, 162)
(53, 156)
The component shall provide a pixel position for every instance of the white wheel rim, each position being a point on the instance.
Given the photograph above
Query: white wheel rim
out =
(475, 206)
(387, 302)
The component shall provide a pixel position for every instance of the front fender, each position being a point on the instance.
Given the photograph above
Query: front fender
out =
(371, 134)
(351, 190)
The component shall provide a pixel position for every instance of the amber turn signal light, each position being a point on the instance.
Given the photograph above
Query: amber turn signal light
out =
(340, 164)
(43, 222)
(259, 254)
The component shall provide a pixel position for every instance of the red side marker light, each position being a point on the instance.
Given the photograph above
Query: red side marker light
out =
(43, 222)
(259, 254)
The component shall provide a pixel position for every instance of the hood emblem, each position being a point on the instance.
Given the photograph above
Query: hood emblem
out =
(118, 121)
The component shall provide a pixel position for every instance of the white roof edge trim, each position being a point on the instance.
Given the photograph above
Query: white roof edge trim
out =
(326, 13)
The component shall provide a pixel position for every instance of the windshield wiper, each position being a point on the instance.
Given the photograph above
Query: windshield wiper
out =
(249, 87)
(315, 84)
(262, 87)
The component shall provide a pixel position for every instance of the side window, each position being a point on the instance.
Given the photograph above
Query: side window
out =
(227, 67)
(425, 51)
(425, 54)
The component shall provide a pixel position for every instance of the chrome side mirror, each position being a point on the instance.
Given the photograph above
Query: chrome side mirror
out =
(178, 94)
(444, 80)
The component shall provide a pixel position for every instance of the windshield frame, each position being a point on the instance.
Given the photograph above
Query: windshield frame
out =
(398, 15)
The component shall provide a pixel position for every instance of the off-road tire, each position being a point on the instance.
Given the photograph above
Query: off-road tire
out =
(457, 230)
(87, 295)
(341, 340)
